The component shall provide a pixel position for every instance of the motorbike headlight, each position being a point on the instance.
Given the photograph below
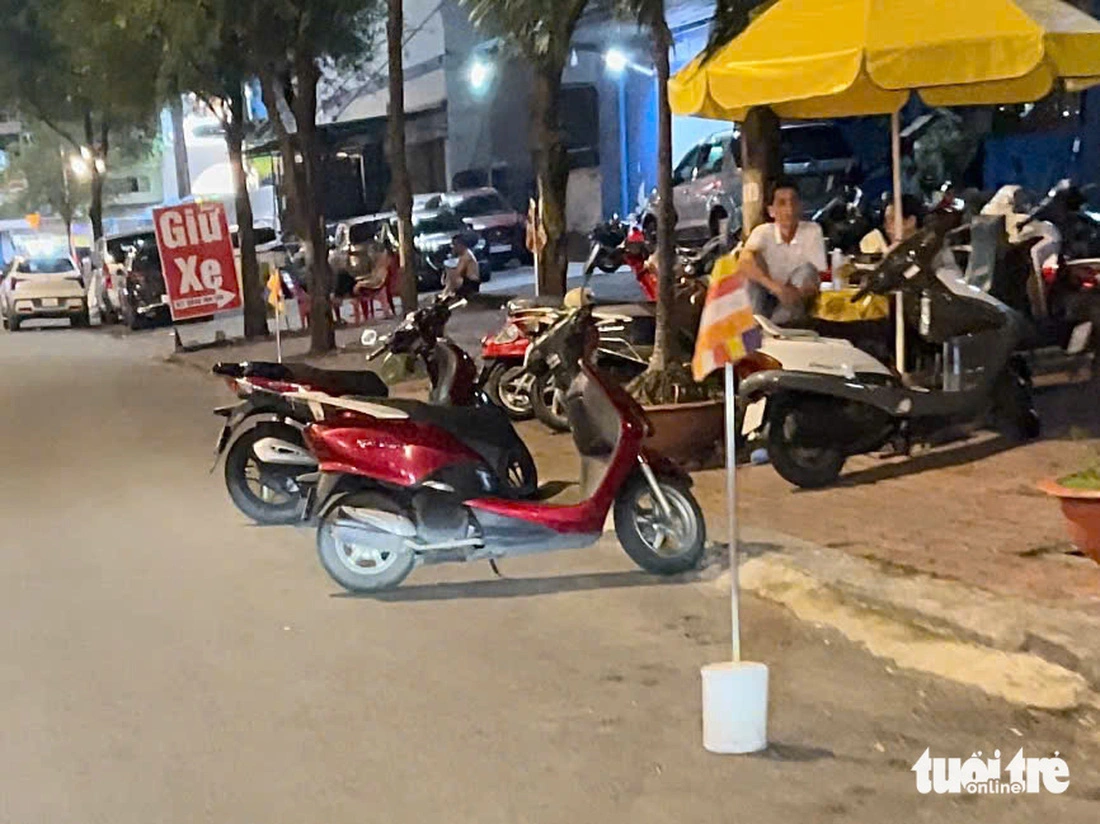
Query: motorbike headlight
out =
(509, 334)
(480, 244)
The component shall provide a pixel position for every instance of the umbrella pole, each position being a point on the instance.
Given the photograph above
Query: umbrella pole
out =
(899, 223)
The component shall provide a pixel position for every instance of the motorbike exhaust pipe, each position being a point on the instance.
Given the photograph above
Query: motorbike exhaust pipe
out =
(388, 522)
(283, 453)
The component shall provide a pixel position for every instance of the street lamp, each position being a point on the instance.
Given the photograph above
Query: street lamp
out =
(615, 60)
(479, 74)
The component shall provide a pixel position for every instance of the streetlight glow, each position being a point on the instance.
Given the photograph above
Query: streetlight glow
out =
(78, 166)
(615, 60)
(479, 75)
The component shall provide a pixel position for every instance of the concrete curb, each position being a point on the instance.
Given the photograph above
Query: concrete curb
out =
(1064, 638)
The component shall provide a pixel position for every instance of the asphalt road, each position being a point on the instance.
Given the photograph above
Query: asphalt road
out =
(162, 661)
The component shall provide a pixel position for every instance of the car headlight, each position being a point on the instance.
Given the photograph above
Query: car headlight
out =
(75, 303)
(480, 243)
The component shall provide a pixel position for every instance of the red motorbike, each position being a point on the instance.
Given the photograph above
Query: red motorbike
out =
(268, 470)
(404, 483)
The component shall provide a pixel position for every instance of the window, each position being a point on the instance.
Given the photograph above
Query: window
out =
(711, 159)
(436, 224)
(485, 204)
(45, 266)
(686, 169)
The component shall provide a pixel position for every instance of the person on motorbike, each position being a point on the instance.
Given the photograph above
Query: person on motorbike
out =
(464, 278)
(912, 219)
(783, 260)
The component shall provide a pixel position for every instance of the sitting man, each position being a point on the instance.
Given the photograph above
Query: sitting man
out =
(783, 261)
(464, 278)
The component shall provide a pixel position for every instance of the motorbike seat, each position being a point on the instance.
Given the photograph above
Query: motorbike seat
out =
(331, 381)
(486, 429)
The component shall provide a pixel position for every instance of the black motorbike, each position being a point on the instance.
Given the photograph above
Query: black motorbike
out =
(606, 253)
(817, 421)
(269, 472)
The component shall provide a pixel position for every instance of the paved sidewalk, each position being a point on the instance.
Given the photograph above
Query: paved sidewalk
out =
(957, 539)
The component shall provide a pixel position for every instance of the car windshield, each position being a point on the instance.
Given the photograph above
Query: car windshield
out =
(435, 224)
(364, 232)
(49, 265)
(814, 143)
(483, 204)
(118, 248)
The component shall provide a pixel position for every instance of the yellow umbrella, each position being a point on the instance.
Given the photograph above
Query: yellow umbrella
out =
(844, 58)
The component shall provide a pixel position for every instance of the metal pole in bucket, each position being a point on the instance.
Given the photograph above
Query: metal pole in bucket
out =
(731, 509)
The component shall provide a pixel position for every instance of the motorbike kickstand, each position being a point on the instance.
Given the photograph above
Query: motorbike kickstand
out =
(493, 566)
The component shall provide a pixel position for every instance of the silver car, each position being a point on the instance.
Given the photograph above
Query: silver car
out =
(707, 181)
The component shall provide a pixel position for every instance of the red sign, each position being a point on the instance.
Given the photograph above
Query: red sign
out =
(196, 256)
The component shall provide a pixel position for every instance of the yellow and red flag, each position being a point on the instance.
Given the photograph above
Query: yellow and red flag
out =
(727, 330)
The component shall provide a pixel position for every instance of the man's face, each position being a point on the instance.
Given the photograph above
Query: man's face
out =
(908, 227)
(786, 210)
(458, 247)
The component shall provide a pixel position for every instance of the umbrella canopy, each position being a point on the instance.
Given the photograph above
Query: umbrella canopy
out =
(843, 58)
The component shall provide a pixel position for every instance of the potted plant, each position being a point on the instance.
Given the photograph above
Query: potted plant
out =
(1079, 495)
(688, 418)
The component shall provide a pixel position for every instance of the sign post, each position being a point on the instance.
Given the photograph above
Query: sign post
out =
(196, 254)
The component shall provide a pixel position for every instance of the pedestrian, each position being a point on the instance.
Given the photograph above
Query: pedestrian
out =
(464, 278)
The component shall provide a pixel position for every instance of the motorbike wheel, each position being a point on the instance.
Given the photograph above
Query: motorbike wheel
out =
(806, 467)
(661, 545)
(359, 568)
(509, 387)
(1014, 412)
(548, 404)
(609, 263)
(251, 491)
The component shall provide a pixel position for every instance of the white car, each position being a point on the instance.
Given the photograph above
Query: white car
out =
(42, 285)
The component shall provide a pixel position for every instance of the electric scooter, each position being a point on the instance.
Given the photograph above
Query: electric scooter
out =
(816, 421)
(403, 484)
(267, 465)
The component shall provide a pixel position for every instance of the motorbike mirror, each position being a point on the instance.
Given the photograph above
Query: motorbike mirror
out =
(369, 337)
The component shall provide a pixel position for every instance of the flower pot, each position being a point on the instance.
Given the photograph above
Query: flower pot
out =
(1081, 508)
(687, 432)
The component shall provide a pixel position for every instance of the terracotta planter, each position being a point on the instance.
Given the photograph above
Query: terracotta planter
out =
(689, 433)
(1081, 508)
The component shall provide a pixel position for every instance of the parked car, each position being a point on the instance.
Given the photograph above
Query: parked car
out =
(485, 211)
(707, 181)
(352, 246)
(433, 231)
(42, 285)
(107, 278)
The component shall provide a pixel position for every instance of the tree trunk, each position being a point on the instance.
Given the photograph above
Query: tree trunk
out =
(665, 348)
(252, 289)
(95, 208)
(552, 173)
(761, 162)
(292, 180)
(322, 329)
(399, 162)
(179, 146)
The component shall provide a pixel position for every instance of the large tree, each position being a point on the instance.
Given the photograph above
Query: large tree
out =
(54, 180)
(206, 52)
(83, 72)
(294, 42)
(541, 31)
(399, 162)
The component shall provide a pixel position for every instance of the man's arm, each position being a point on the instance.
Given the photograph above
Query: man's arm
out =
(751, 267)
